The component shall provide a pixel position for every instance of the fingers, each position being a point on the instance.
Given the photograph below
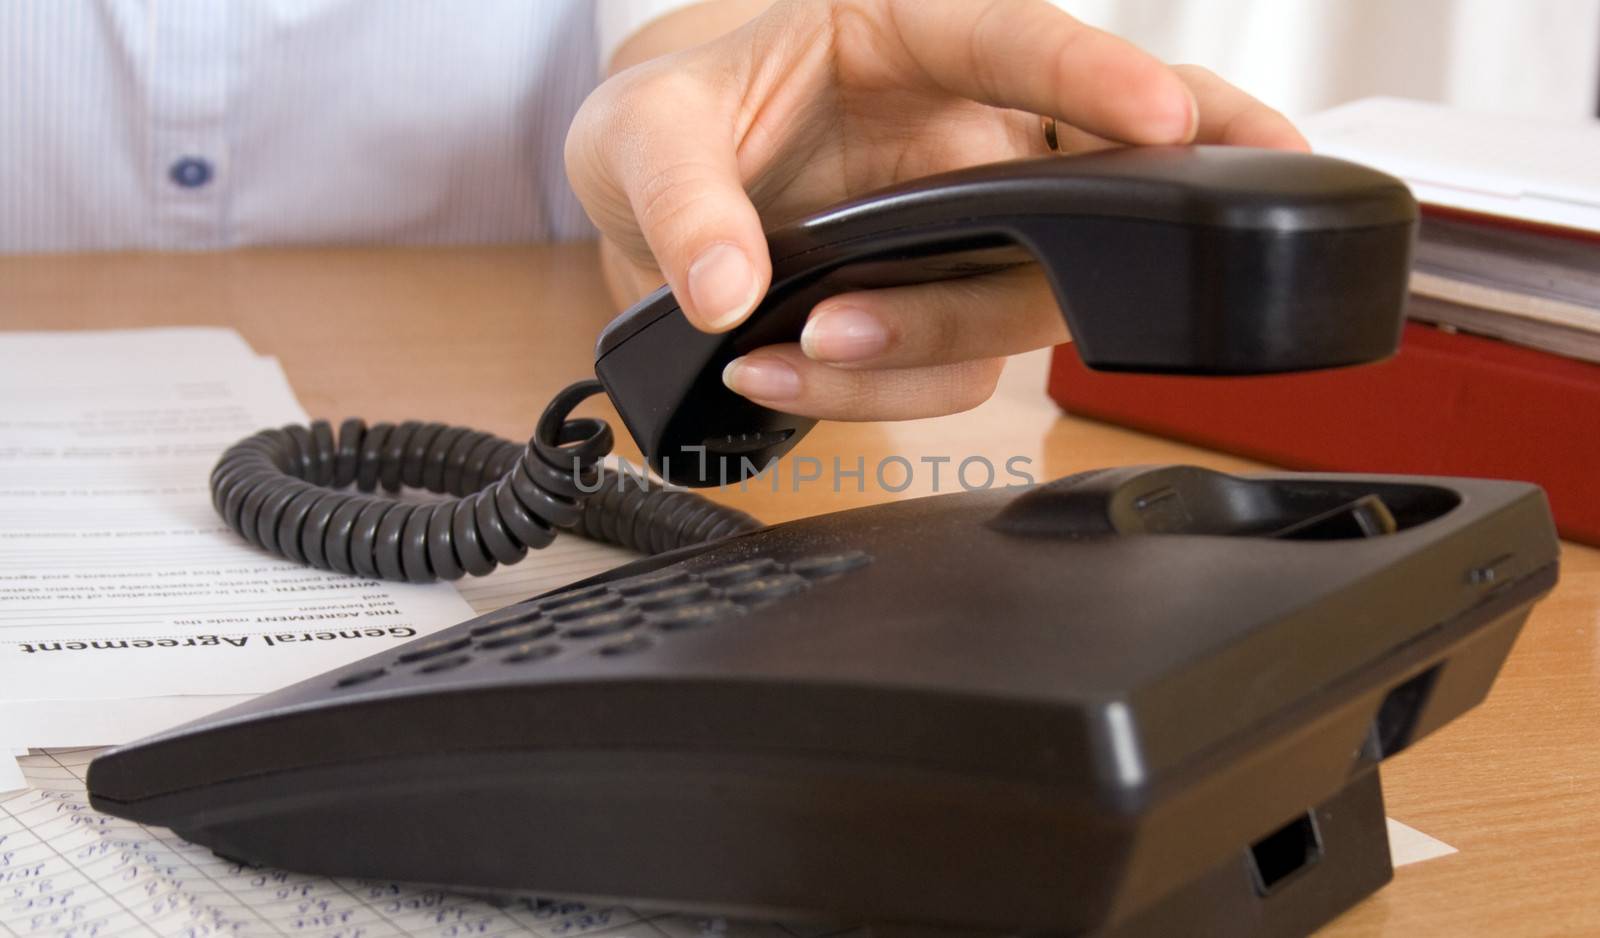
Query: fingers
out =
(1230, 116)
(904, 352)
(936, 324)
(666, 142)
(782, 378)
(1027, 54)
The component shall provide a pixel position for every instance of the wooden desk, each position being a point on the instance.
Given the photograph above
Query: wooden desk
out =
(483, 336)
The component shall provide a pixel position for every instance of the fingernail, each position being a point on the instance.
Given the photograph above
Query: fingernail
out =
(843, 334)
(722, 285)
(1194, 119)
(766, 379)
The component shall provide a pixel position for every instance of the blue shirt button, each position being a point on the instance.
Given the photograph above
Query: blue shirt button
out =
(191, 172)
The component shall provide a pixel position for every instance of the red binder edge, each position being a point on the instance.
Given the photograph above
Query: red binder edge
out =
(1447, 404)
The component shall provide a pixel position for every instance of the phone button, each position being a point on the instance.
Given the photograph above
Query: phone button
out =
(433, 649)
(531, 653)
(516, 635)
(605, 623)
(739, 572)
(826, 565)
(505, 618)
(676, 596)
(627, 646)
(361, 677)
(444, 664)
(586, 607)
(694, 615)
(766, 588)
(651, 582)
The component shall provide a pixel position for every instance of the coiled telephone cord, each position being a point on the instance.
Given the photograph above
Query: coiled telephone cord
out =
(279, 489)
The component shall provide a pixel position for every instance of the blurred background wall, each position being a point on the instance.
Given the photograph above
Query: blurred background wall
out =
(1530, 57)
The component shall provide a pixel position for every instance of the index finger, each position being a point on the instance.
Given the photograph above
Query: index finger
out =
(1029, 55)
(1230, 116)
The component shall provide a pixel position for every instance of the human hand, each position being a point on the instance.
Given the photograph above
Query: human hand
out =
(682, 159)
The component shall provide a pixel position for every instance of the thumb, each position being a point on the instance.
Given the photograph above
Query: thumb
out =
(674, 159)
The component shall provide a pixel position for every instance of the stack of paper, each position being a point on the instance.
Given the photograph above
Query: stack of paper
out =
(126, 606)
(1530, 287)
(1529, 169)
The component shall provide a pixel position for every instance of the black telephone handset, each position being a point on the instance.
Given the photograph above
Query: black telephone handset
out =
(1139, 701)
(1197, 260)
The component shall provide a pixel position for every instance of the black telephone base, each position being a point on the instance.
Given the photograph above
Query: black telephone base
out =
(1140, 701)
(1348, 833)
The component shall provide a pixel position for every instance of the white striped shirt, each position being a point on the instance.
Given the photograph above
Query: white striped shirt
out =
(197, 124)
(220, 123)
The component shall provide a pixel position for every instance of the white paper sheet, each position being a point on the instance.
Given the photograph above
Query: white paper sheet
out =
(70, 872)
(89, 351)
(1408, 845)
(10, 777)
(117, 579)
(10, 771)
(109, 722)
(1531, 169)
(125, 606)
(97, 722)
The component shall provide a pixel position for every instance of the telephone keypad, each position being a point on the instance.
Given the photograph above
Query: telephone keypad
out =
(630, 615)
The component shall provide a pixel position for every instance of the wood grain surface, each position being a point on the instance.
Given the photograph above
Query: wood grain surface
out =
(483, 336)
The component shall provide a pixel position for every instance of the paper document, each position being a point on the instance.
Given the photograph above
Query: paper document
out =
(94, 722)
(118, 582)
(69, 872)
(117, 578)
(105, 722)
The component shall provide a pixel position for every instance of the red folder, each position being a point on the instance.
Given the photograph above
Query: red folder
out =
(1447, 404)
